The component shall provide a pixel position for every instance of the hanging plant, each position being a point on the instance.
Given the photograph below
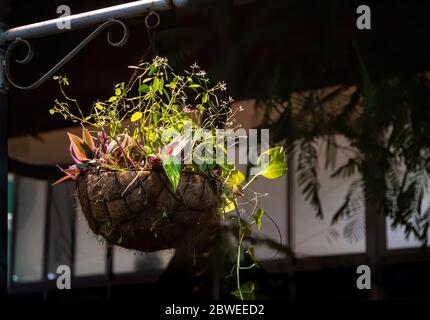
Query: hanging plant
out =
(147, 165)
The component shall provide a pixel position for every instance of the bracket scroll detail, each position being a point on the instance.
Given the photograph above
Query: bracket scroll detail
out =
(63, 61)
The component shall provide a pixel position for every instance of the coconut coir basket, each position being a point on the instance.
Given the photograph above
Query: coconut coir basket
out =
(138, 209)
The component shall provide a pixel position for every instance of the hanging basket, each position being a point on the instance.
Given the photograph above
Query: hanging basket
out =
(138, 209)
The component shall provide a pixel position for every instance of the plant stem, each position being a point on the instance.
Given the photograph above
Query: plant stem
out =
(250, 181)
(239, 247)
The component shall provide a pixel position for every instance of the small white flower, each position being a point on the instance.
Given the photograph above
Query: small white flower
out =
(159, 61)
(222, 86)
(195, 66)
(201, 73)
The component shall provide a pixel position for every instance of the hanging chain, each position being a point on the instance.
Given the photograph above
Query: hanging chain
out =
(151, 50)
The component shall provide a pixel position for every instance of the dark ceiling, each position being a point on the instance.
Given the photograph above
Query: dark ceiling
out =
(260, 48)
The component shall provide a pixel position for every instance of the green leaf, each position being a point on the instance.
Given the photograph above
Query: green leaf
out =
(166, 94)
(155, 84)
(112, 99)
(235, 178)
(258, 218)
(152, 70)
(171, 85)
(251, 253)
(161, 86)
(99, 106)
(51, 111)
(172, 167)
(195, 85)
(248, 287)
(205, 97)
(136, 116)
(118, 91)
(272, 163)
(143, 88)
(229, 205)
(245, 230)
(203, 167)
(247, 291)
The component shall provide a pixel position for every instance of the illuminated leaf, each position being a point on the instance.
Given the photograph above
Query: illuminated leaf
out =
(136, 116)
(229, 205)
(161, 86)
(172, 167)
(258, 217)
(71, 173)
(88, 139)
(78, 148)
(99, 106)
(272, 163)
(61, 180)
(235, 178)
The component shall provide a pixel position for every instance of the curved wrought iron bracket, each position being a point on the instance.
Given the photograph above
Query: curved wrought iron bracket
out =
(71, 54)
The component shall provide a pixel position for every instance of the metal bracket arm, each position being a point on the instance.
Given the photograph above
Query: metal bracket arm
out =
(63, 61)
(107, 16)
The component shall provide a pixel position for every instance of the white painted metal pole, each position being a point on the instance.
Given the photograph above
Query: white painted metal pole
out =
(82, 20)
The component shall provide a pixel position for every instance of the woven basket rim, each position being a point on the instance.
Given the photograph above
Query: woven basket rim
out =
(98, 171)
